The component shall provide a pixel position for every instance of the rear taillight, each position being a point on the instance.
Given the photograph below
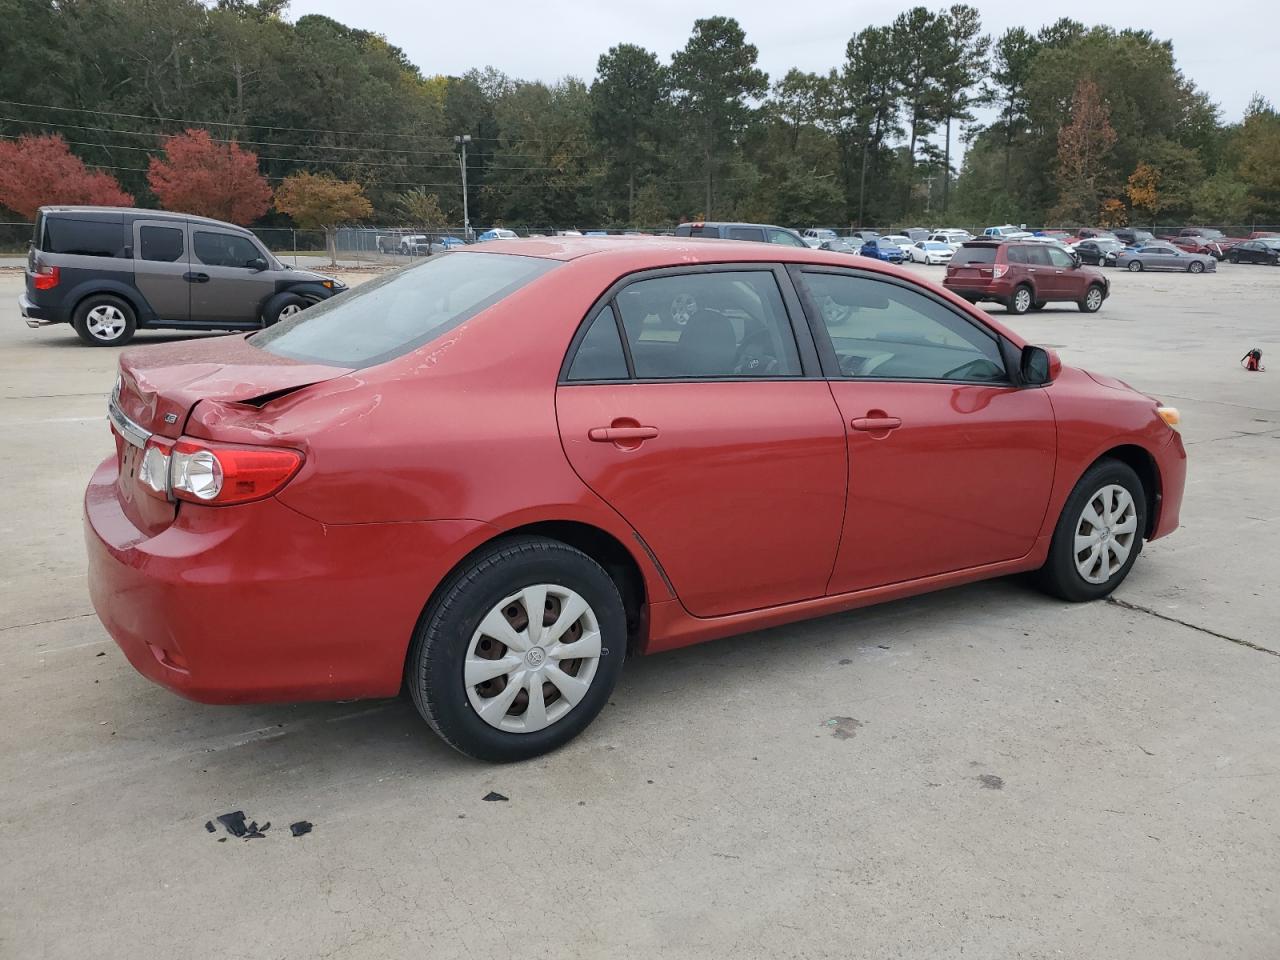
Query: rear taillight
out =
(201, 471)
(45, 278)
(998, 271)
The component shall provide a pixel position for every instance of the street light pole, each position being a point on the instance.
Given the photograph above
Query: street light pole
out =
(462, 142)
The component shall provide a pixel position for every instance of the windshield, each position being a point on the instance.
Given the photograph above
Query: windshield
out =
(390, 316)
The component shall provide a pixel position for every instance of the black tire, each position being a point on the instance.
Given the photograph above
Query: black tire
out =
(1093, 298)
(434, 666)
(1135, 266)
(1234, 258)
(1020, 300)
(85, 326)
(1039, 304)
(1059, 575)
(282, 303)
(1195, 267)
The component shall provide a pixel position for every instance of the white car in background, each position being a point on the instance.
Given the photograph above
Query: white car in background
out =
(951, 235)
(930, 251)
(899, 239)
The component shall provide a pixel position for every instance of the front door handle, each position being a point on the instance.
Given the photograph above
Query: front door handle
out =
(196, 277)
(875, 424)
(616, 434)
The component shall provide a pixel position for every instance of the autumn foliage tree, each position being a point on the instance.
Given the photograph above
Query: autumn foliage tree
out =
(1143, 190)
(1083, 145)
(40, 170)
(200, 175)
(321, 201)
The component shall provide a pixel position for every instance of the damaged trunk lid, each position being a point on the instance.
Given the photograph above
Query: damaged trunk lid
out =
(159, 386)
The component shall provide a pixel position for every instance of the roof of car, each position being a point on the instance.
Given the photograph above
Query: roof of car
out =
(140, 212)
(642, 253)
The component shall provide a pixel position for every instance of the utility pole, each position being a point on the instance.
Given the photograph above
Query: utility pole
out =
(462, 142)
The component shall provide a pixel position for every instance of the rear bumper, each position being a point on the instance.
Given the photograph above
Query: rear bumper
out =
(258, 603)
(979, 289)
(33, 313)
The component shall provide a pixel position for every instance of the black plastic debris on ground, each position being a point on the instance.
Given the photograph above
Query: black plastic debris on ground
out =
(234, 823)
(301, 828)
(255, 832)
(492, 797)
(208, 825)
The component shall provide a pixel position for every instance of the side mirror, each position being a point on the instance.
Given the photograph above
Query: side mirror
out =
(258, 264)
(1075, 258)
(1038, 366)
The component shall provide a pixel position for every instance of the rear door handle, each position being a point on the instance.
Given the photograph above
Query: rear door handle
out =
(614, 434)
(874, 424)
(196, 277)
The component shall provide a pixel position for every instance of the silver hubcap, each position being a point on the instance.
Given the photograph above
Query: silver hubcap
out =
(1094, 299)
(683, 307)
(1105, 533)
(1135, 266)
(290, 310)
(532, 659)
(1021, 300)
(105, 322)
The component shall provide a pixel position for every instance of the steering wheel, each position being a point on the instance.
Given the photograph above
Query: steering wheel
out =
(854, 365)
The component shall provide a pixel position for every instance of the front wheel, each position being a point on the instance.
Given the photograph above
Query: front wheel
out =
(1234, 258)
(1135, 266)
(1092, 301)
(519, 650)
(1196, 267)
(1099, 534)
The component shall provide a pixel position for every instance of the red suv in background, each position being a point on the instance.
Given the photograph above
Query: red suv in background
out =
(1023, 276)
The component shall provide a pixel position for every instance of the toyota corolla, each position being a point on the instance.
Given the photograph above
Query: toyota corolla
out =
(492, 477)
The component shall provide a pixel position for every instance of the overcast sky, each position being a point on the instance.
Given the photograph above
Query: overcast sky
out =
(1228, 49)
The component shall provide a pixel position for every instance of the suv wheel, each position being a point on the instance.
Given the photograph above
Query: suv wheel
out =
(283, 306)
(102, 320)
(1021, 300)
(1093, 298)
(519, 650)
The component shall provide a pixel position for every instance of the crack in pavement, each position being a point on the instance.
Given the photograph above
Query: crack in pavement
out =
(1183, 623)
(38, 623)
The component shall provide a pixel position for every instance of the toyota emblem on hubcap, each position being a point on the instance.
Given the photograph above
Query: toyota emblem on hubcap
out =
(535, 656)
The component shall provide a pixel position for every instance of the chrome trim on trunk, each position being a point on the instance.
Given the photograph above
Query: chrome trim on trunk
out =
(132, 432)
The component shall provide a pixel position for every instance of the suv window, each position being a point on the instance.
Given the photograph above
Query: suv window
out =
(1016, 255)
(1037, 255)
(84, 238)
(746, 233)
(396, 313)
(881, 330)
(600, 355)
(1061, 258)
(708, 325)
(163, 244)
(977, 254)
(784, 238)
(223, 249)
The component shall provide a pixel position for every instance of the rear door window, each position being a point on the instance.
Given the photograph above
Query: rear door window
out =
(162, 244)
(599, 355)
(1016, 255)
(729, 324)
(84, 238)
(399, 312)
(1037, 256)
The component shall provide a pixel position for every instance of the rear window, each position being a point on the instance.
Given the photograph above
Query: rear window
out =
(84, 238)
(397, 313)
(968, 254)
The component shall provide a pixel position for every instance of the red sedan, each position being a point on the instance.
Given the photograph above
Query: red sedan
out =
(493, 476)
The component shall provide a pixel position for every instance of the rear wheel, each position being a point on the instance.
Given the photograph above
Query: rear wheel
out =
(519, 651)
(1135, 266)
(102, 320)
(1099, 534)
(1234, 258)
(1039, 304)
(1093, 298)
(1195, 267)
(1021, 300)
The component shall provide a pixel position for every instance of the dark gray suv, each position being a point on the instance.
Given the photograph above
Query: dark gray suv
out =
(109, 271)
(758, 232)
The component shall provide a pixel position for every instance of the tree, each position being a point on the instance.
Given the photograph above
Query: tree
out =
(1014, 53)
(39, 170)
(1083, 144)
(422, 210)
(920, 40)
(1143, 191)
(714, 77)
(321, 201)
(627, 99)
(210, 179)
(870, 80)
(1257, 146)
(965, 62)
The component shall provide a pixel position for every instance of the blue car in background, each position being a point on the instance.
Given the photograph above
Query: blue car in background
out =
(497, 233)
(881, 249)
(449, 243)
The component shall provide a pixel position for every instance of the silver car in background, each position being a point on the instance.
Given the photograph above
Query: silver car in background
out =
(1164, 256)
